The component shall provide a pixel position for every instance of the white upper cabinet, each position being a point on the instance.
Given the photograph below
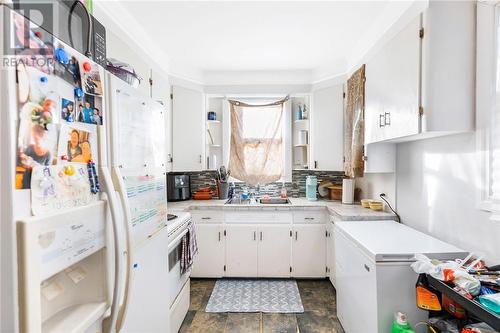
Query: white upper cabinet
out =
(327, 150)
(188, 129)
(420, 83)
(392, 87)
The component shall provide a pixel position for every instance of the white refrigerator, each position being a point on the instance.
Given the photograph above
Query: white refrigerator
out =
(82, 192)
(138, 165)
(374, 279)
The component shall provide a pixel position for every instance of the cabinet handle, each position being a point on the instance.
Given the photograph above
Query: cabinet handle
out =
(200, 158)
(296, 235)
(381, 120)
(387, 118)
(255, 235)
(206, 218)
(309, 218)
(219, 236)
(367, 268)
(261, 236)
(315, 164)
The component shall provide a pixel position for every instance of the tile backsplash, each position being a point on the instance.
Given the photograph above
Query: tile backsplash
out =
(296, 188)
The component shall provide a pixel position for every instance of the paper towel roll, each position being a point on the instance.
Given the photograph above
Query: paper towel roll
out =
(348, 191)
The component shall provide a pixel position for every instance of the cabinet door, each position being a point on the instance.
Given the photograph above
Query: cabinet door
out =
(328, 249)
(327, 150)
(274, 251)
(187, 129)
(241, 250)
(210, 259)
(309, 251)
(393, 87)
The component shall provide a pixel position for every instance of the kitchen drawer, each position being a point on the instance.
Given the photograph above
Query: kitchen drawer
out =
(207, 216)
(309, 217)
(258, 217)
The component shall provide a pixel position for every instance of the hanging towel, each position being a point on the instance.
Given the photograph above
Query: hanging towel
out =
(189, 248)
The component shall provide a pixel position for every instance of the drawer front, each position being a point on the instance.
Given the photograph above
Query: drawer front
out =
(207, 216)
(309, 217)
(258, 217)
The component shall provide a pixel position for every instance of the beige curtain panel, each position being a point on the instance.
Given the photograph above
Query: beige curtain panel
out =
(256, 149)
(354, 125)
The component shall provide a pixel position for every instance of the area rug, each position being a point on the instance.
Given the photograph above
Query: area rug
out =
(255, 295)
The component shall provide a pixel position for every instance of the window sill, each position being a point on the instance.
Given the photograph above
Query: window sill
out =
(486, 206)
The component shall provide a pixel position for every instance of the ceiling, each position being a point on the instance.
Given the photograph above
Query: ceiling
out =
(210, 40)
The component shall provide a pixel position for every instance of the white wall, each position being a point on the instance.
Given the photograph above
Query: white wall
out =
(437, 184)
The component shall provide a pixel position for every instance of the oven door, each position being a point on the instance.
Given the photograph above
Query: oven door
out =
(176, 280)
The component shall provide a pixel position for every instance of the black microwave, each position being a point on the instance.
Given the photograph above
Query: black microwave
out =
(69, 22)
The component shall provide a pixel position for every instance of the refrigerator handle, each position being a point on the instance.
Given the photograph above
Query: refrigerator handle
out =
(122, 192)
(109, 323)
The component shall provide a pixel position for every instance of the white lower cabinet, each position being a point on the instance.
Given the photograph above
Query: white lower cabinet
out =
(241, 250)
(309, 250)
(210, 259)
(258, 250)
(274, 251)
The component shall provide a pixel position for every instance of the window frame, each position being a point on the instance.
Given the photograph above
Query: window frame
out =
(487, 97)
(286, 131)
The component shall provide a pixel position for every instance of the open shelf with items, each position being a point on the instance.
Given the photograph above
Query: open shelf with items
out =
(301, 107)
(214, 129)
(473, 307)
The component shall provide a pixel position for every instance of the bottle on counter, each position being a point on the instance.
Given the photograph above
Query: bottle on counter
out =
(311, 187)
(283, 192)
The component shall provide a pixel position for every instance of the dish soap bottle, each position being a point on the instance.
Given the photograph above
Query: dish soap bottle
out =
(283, 193)
(400, 324)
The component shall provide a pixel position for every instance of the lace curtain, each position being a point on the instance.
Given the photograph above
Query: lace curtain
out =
(354, 125)
(256, 148)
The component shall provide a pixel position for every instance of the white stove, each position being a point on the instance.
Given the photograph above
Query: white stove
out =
(178, 284)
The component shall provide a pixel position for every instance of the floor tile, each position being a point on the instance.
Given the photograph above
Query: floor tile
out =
(243, 323)
(279, 323)
(208, 322)
(316, 322)
(313, 299)
(197, 299)
(187, 321)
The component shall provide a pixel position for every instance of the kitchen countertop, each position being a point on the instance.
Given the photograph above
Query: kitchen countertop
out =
(336, 208)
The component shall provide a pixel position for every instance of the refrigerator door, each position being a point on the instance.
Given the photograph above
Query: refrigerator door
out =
(56, 266)
(138, 161)
(389, 241)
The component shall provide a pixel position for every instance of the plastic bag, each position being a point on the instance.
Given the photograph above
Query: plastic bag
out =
(491, 301)
(478, 328)
(449, 271)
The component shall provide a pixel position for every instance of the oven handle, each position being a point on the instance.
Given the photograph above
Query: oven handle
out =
(176, 241)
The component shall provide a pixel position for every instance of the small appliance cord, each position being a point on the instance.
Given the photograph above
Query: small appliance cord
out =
(382, 196)
(89, 26)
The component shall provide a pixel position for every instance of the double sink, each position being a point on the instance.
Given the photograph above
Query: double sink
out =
(259, 201)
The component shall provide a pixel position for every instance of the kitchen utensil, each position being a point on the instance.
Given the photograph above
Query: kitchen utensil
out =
(365, 203)
(376, 205)
(323, 188)
(223, 190)
(335, 192)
